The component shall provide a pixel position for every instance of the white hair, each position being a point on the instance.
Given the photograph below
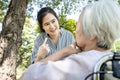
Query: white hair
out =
(102, 19)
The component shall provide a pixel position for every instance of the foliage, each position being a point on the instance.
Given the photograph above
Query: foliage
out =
(116, 46)
(119, 1)
(3, 8)
(62, 7)
(28, 35)
(69, 24)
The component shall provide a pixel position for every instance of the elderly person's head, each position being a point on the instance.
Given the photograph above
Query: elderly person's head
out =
(98, 26)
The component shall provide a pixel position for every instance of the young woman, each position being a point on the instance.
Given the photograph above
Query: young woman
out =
(54, 37)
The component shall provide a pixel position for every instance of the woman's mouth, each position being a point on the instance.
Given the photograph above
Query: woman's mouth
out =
(52, 30)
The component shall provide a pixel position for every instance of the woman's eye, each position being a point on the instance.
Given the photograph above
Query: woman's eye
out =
(53, 21)
(46, 24)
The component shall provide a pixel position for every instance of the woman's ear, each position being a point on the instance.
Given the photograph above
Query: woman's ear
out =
(92, 38)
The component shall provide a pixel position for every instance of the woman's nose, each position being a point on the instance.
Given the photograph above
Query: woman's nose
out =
(51, 25)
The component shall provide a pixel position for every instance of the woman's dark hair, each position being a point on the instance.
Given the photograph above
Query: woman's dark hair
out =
(42, 13)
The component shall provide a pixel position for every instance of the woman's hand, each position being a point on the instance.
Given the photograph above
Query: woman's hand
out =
(73, 49)
(42, 51)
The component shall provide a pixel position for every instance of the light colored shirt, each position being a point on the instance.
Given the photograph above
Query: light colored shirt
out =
(74, 67)
(66, 38)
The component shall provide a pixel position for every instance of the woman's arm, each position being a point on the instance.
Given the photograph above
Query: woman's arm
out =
(61, 54)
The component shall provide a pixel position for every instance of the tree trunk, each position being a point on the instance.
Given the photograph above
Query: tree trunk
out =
(10, 38)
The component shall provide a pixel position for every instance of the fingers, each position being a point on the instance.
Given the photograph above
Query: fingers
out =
(78, 47)
(45, 41)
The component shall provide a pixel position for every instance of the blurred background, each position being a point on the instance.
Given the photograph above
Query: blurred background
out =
(68, 12)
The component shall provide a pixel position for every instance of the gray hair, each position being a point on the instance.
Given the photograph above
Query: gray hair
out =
(102, 19)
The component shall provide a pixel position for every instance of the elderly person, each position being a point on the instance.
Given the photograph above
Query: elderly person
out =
(97, 28)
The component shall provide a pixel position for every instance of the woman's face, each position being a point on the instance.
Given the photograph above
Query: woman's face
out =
(80, 39)
(50, 24)
(84, 43)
